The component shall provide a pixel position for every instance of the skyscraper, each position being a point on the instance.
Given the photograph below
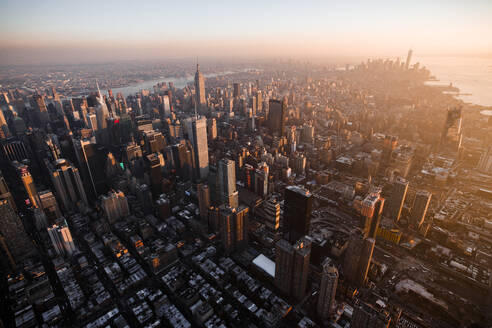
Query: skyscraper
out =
(17, 241)
(49, 205)
(115, 206)
(236, 90)
(357, 259)
(61, 238)
(227, 183)
(212, 128)
(297, 213)
(196, 130)
(4, 128)
(409, 58)
(419, 208)
(203, 200)
(40, 110)
(5, 192)
(183, 159)
(367, 316)
(200, 100)
(102, 112)
(270, 213)
(261, 179)
(28, 183)
(372, 209)
(91, 157)
(300, 272)
(327, 289)
(452, 133)
(276, 116)
(284, 264)
(292, 266)
(396, 199)
(233, 227)
(68, 185)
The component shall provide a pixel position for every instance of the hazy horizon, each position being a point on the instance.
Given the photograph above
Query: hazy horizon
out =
(39, 32)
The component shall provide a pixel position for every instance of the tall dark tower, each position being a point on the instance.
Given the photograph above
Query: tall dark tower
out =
(13, 238)
(419, 208)
(397, 199)
(297, 213)
(452, 133)
(357, 259)
(276, 116)
(292, 266)
(236, 90)
(327, 289)
(409, 58)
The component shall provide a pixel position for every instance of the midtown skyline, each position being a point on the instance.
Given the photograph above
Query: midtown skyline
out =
(59, 32)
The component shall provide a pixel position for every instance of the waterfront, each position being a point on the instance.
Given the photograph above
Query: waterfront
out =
(179, 82)
(472, 75)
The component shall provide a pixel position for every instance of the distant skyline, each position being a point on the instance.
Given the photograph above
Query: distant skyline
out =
(34, 32)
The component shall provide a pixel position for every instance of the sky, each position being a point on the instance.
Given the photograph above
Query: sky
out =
(41, 31)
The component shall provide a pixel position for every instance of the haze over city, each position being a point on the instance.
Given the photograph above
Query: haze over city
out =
(250, 164)
(72, 31)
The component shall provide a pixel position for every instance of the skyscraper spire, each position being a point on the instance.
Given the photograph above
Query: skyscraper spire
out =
(98, 90)
(200, 101)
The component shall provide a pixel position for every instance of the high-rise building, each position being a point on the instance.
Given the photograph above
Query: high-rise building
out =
(300, 272)
(196, 131)
(154, 141)
(233, 227)
(203, 200)
(259, 102)
(102, 112)
(40, 110)
(200, 100)
(397, 199)
(327, 289)
(227, 183)
(61, 238)
(367, 316)
(297, 213)
(49, 205)
(409, 58)
(452, 133)
(91, 157)
(261, 179)
(485, 163)
(29, 185)
(4, 128)
(371, 211)
(284, 264)
(115, 206)
(298, 163)
(269, 212)
(292, 266)
(153, 162)
(419, 208)
(357, 259)
(166, 104)
(212, 128)
(16, 239)
(68, 185)
(236, 90)
(5, 192)
(183, 159)
(276, 116)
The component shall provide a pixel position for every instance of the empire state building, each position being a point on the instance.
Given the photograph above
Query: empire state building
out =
(200, 90)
